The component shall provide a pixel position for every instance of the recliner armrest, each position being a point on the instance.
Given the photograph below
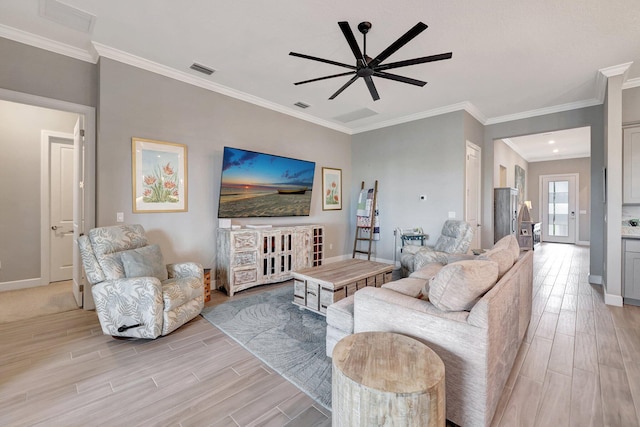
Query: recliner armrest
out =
(185, 269)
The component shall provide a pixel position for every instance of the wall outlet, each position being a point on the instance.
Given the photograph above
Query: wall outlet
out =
(452, 215)
(119, 216)
(0, 265)
(330, 246)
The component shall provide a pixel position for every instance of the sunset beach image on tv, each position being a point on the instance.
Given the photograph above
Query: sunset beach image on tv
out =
(264, 185)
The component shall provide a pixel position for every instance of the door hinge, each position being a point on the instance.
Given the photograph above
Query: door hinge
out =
(82, 132)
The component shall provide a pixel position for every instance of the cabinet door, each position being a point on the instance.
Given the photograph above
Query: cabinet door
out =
(631, 165)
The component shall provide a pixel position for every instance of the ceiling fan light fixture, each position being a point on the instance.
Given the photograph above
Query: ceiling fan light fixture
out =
(366, 67)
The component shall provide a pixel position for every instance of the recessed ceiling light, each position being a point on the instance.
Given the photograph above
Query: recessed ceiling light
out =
(551, 141)
(556, 150)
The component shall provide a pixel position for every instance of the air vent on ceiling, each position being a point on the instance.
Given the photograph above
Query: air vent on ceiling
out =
(66, 15)
(202, 69)
(301, 105)
(355, 115)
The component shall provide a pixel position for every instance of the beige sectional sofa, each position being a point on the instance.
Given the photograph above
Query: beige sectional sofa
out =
(478, 344)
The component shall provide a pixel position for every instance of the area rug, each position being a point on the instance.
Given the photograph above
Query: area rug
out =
(290, 340)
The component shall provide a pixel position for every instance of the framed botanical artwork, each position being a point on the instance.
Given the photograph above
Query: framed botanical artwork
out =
(331, 189)
(159, 176)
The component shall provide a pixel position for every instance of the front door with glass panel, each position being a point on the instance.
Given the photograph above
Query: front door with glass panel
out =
(558, 208)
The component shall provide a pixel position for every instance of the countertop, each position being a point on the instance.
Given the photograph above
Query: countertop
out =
(629, 232)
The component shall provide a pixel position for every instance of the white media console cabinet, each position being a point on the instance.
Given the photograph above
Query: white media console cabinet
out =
(249, 257)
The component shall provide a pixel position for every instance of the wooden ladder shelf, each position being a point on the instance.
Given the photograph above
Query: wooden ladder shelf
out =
(364, 234)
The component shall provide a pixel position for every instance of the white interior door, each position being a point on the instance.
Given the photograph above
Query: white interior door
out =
(473, 183)
(78, 211)
(61, 210)
(558, 208)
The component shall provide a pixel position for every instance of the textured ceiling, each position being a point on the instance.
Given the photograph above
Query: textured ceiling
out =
(511, 58)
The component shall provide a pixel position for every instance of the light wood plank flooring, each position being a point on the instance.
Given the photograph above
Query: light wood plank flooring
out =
(59, 370)
(579, 366)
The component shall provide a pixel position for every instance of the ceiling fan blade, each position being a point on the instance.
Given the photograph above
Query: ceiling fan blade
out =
(405, 63)
(404, 39)
(346, 85)
(348, 34)
(325, 77)
(398, 78)
(372, 88)
(326, 61)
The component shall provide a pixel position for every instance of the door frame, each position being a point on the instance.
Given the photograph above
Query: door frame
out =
(89, 114)
(477, 228)
(576, 176)
(46, 137)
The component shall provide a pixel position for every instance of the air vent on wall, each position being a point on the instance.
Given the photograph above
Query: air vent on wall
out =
(301, 105)
(202, 69)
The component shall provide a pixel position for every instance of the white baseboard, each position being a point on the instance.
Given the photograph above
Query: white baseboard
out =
(615, 300)
(21, 284)
(595, 280)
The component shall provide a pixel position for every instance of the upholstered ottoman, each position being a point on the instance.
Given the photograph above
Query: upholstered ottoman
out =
(339, 322)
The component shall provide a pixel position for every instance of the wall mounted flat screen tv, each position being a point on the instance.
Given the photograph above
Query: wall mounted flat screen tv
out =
(264, 185)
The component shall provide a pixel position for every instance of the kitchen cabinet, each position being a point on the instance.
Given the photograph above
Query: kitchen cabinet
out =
(631, 165)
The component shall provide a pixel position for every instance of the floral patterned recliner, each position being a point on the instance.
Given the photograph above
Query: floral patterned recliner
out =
(135, 294)
(454, 240)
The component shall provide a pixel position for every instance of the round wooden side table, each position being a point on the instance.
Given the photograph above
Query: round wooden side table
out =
(386, 379)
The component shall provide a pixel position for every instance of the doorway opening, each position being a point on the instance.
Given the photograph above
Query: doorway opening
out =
(31, 262)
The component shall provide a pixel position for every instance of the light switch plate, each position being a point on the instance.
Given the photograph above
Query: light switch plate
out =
(119, 216)
(452, 215)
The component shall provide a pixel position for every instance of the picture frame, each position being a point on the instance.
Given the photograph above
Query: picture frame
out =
(331, 189)
(159, 176)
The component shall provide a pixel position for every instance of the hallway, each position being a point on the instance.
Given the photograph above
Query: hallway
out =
(579, 364)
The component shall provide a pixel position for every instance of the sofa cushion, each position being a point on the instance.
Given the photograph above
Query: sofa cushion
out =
(501, 256)
(509, 242)
(144, 262)
(340, 314)
(410, 286)
(459, 285)
(427, 272)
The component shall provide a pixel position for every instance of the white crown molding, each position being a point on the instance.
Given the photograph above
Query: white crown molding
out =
(467, 106)
(514, 147)
(542, 111)
(47, 44)
(631, 83)
(154, 67)
(616, 70)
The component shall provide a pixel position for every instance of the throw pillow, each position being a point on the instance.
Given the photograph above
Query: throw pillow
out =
(459, 285)
(407, 286)
(503, 257)
(509, 242)
(146, 261)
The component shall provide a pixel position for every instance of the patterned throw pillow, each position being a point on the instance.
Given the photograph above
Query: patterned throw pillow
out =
(146, 261)
(459, 285)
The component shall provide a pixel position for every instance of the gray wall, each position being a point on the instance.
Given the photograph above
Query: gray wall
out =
(20, 136)
(134, 102)
(423, 157)
(590, 116)
(582, 167)
(39, 72)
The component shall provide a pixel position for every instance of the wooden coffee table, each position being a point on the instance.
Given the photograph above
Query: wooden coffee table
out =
(316, 288)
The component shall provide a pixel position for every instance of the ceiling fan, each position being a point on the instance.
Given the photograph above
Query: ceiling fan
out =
(366, 67)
